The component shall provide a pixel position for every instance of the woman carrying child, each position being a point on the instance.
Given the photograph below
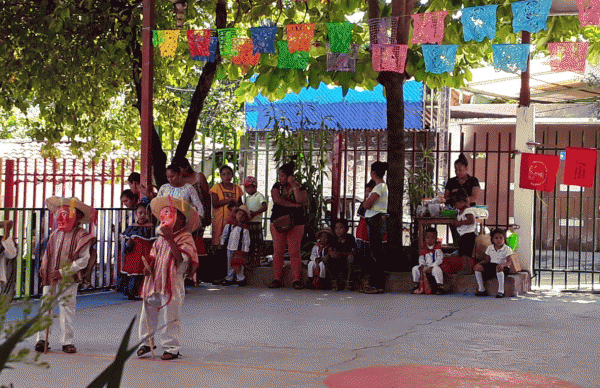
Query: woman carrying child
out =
(498, 258)
(139, 238)
(318, 257)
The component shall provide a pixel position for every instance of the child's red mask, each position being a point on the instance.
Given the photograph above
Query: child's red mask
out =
(168, 216)
(65, 218)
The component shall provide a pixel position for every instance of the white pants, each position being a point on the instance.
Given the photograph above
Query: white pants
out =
(436, 271)
(66, 313)
(311, 269)
(170, 314)
(230, 271)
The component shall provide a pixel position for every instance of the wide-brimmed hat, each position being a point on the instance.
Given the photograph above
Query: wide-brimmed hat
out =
(190, 213)
(53, 203)
(327, 230)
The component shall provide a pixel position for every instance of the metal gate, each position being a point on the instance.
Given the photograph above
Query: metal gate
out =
(567, 226)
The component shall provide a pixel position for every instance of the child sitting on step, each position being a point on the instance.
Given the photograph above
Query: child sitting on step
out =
(318, 258)
(430, 259)
(498, 258)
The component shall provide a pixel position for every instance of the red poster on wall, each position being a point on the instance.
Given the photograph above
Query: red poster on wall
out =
(538, 172)
(580, 166)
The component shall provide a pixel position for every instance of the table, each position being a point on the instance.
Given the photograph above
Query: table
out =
(423, 222)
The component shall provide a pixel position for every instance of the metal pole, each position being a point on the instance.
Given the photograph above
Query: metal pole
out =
(147, 120)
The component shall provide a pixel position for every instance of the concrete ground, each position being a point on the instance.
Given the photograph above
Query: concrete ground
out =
(257, 337)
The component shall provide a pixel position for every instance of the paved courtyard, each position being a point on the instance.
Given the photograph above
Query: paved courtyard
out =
(257, 337)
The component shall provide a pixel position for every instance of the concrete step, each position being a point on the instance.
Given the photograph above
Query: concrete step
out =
(514, 284)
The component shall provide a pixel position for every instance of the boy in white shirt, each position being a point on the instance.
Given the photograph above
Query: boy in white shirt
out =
(498, 258)
(466, 227)
(430, 259)
(257, 205)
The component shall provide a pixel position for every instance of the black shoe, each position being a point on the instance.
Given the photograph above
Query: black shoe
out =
(481, 293)
(500, 295)
(169, 356)
(242, 283)
(276, 284)
(439, 290)
(39, 346)
(228, 282)
(143, 350)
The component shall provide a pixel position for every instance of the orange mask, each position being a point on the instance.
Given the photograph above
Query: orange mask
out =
(65, 219)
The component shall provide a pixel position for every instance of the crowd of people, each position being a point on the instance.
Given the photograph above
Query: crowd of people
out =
(164, 244)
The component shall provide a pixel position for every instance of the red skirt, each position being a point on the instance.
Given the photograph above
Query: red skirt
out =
(133, 260)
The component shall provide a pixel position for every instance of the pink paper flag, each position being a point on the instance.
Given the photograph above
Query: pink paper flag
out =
(389, 57)
(568, 56)
(428, 27)
(589, 12)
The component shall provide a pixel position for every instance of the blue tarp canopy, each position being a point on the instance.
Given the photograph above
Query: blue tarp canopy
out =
(326, 108)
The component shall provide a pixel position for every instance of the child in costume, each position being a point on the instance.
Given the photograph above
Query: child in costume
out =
(69, 248)
(138, 242)
(172, 257)
(498, 258)
(318, 258)
(466, 227)
(236, 239)
(340, 263)
(430, 259)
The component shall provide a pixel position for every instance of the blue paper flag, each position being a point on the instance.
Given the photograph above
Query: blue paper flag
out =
(510, 57)
(212, 48)
(263, 39)
(479, 22)
(530, 15)
(439, 58)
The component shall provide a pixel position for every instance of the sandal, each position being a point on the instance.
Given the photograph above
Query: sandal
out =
(143, 350)
(69, 348)
(298, 285)
(169, 356)
(39, 346)
(276, 284)
(373, 290)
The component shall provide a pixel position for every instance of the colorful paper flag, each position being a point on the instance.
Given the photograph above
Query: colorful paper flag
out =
(342, 61)
(530, 15)
(263, 39)
(439, 58)
(199, 43)
(538, 172)
(580, 166)
(389, 57)
(340, 36)
(428, 27)
(169, 45)
(568, 56)
(300, 36)
(511, 58)
(589, 12)
(287, 60)
(479, 22)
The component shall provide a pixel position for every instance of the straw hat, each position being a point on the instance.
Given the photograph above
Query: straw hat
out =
(327, 230)
(190, 213)
(53, 203)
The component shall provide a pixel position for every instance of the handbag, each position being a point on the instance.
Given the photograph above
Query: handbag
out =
(283, 224)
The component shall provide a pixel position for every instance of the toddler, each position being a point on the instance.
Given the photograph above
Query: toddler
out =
(138, 241)
(318, 257)
(465, 226)
(340, 262)
(257, 205)
(498, 258)
(430, 259)
(236, 239)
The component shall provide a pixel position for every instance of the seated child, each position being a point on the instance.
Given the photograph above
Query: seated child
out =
(498, 258)
(318, 257)
(340, 262)
(430, 259)
(466, 227)
(138, 241)
(236, 239)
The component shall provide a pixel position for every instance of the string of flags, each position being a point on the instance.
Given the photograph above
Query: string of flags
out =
(539, 171)
(478, 23)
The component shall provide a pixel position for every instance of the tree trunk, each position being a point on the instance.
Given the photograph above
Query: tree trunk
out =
(202, 89)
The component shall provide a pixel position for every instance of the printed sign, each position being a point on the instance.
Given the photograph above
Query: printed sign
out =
(538, 172)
